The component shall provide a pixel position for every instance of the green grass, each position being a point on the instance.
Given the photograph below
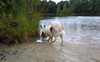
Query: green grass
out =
(18, 20)
(19, 29)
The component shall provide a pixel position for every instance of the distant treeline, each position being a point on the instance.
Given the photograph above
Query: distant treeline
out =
(70, 7)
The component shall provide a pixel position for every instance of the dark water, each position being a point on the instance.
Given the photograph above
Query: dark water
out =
(79, 28)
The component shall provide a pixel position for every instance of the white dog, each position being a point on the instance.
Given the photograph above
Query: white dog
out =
(54, 30)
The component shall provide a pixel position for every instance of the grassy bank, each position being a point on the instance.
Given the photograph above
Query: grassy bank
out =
(12, 30)
(19, 20)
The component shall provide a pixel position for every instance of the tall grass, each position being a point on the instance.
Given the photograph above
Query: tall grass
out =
(19, 29)
(19, 24)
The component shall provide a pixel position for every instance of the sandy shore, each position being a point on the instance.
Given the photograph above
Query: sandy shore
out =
(47, 52)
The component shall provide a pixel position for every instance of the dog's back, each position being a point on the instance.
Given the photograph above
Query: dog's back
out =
(58, 29)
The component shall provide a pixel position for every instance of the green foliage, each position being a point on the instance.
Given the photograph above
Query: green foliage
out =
(64, 10)
(5, 8)
(48, 8)
(52, 5)
(72, 7)
(58, 10)
(21, 22)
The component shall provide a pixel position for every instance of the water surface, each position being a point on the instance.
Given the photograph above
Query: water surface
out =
(79, 29)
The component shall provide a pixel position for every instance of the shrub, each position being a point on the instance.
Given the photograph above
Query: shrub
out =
(21, 22)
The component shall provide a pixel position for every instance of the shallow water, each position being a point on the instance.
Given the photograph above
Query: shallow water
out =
(79, 29)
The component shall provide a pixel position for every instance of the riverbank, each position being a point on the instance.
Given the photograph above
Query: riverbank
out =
(47, 52)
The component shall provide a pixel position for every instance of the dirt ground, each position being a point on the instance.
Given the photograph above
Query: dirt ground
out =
(47, 52)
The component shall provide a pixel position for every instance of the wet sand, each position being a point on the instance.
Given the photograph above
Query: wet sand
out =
(47, 52)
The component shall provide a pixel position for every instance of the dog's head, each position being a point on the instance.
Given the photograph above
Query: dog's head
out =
(43, 30)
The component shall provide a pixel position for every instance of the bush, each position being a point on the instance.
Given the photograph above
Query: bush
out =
(20, 29)
(21, 22)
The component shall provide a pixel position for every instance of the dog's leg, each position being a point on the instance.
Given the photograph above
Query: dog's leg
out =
(61, 36)
(49, 39)
(54, 40)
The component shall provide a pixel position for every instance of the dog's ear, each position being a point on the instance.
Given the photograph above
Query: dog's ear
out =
(51, 29)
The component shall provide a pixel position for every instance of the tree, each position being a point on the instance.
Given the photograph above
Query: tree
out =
(58, 10)
(64, 10)
(52, 7)
(72, 7)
